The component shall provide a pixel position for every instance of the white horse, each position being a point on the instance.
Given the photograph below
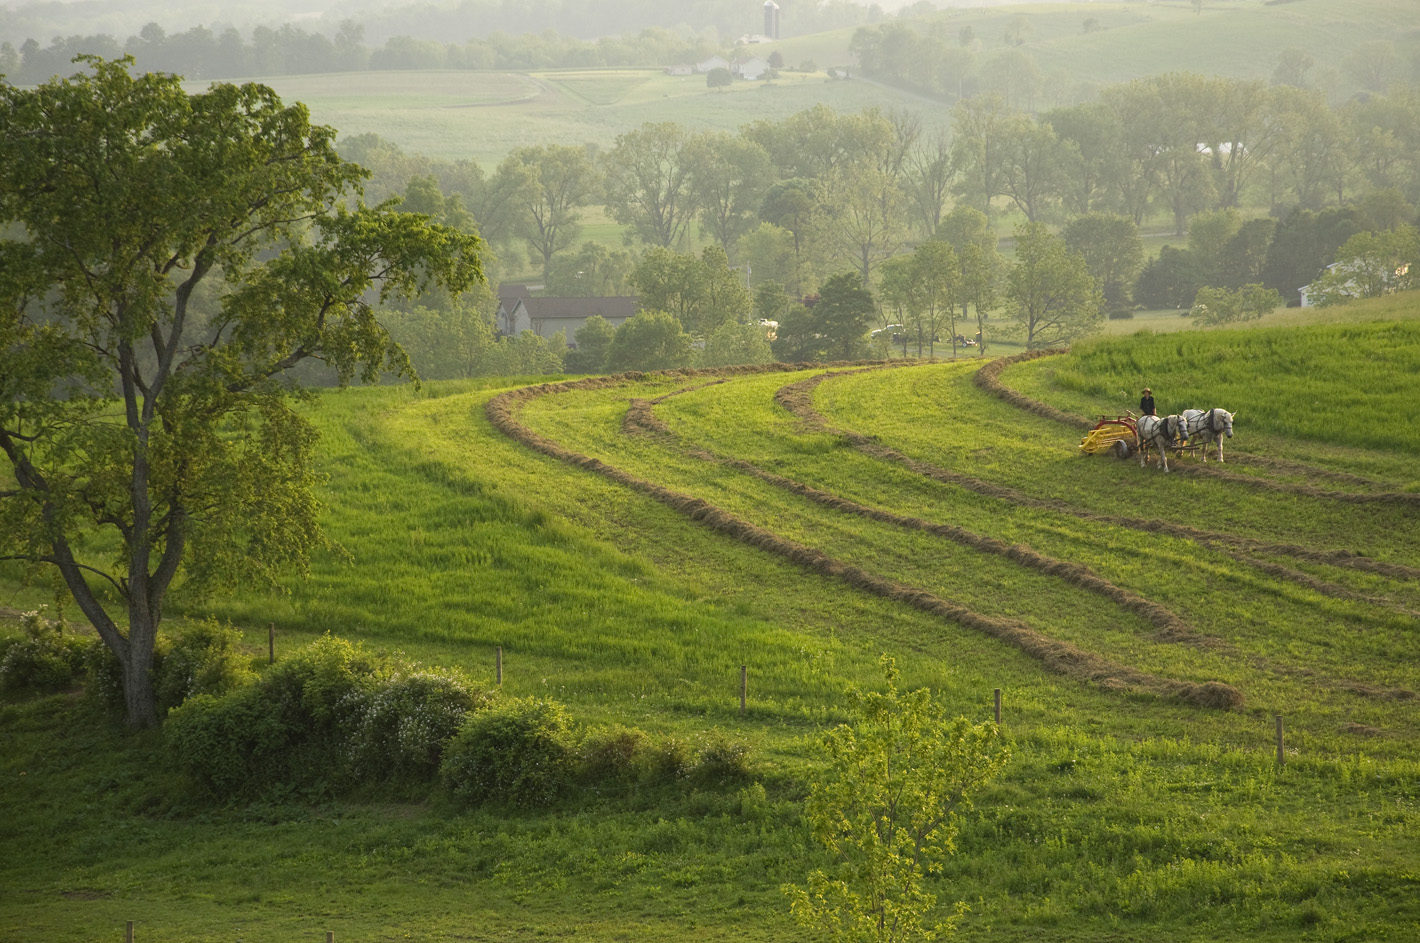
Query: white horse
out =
(1159, 432)
(1214, 425)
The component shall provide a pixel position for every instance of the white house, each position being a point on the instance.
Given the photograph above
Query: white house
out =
(714, 62)
(750, 69)
(519, 311)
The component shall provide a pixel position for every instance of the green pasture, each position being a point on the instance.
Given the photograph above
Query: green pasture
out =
(1225, 37)
(454, 115)
(1124, 814)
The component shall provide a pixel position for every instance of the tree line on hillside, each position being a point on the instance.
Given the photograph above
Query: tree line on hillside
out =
(553, 23)
(540, 35)
(201, 53)
(795, 201)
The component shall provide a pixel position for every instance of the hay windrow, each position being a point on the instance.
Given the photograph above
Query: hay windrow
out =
(1061, 657)
(988, 378)
(641, 418)
(797, 398)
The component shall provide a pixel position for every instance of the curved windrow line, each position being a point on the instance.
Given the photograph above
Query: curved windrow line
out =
(988, 378)
(1057, 656)
(797, 398)
(641, 418)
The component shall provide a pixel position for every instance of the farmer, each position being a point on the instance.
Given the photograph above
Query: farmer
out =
(1146, 403)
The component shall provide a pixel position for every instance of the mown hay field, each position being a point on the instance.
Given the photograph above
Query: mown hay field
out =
(631, 542)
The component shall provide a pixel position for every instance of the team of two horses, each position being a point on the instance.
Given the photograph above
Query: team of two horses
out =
(1165, 432)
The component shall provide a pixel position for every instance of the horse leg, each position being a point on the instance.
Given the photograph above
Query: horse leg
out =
(1164, 454)
(1220, 450)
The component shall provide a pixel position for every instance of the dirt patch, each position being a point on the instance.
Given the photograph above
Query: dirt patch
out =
(1362, 730)
(85, 894)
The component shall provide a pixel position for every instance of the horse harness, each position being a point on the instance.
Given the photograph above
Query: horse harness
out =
(1177, 435)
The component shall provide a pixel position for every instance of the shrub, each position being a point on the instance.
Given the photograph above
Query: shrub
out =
(44, 660)
(720, 760)
(671, 759)
(103, 679)
(290, 729)
(408, 720)
(232, 745)
(612, 755)
(202, 660)
(520, 752)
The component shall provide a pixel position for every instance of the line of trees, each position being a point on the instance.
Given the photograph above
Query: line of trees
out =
(201, 53)
(793, 202)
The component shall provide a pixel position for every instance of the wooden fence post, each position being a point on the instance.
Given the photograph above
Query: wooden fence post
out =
(744, 688)
(499, 664)
(128, 933)
(330, 936)
(1281, 755)
(271, 643)
(998, 707)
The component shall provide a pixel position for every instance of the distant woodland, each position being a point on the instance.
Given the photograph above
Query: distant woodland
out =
(490, 35)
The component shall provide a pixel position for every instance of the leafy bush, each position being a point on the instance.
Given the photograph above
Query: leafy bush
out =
(720, 760)
(672, 758)
(407, 721)
(202, 660)
(292, 728)
(520, 752)
(44, 660)
(612, 755)
(233, 745)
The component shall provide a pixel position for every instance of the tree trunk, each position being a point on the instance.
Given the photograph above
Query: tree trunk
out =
(139, 696)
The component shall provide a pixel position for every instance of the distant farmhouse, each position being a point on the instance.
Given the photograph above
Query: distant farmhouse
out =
(751, 69)
(519, 311)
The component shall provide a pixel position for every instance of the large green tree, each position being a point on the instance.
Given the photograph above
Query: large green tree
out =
(561, 180)
(650, 340)
(834, 328)
(969, 233)
(728, 177)
(1111, 247)
(648, 182)
(702, 292)
(1050, 292)
(172, 257)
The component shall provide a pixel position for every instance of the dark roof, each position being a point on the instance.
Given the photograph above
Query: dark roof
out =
(508, 293)
(615, 307)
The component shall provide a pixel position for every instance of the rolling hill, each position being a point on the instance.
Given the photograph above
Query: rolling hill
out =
(630, 542)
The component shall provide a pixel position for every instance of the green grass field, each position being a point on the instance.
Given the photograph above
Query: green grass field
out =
(1127, 811)
(484, 115)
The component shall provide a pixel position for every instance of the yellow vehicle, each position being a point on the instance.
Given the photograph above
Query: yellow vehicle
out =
(1116, 434)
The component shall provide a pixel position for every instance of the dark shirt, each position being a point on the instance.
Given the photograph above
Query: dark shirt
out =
(1146, 405)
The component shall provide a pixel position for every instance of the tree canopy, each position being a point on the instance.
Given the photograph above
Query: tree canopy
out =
(172, 257)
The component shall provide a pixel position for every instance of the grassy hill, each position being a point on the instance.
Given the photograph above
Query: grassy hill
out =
(483, 115)
(1132, 808)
